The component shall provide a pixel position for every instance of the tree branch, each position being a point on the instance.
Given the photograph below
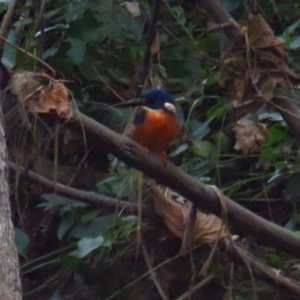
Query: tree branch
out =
(221, 17)
(86, 197)
(240, 256)
(203, 196)
(235, 253)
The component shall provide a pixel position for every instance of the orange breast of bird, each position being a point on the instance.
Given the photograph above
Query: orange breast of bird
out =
(157, 130)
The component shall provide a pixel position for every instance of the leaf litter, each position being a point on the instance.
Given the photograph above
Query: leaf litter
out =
(259, 74)
(41, 94)
(174, 210)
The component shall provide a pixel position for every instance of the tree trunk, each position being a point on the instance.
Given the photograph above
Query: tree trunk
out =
(10, 286)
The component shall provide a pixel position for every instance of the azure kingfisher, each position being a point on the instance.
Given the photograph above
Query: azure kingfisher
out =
(155, 123)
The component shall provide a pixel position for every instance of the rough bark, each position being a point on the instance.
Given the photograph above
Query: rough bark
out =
(10, 286)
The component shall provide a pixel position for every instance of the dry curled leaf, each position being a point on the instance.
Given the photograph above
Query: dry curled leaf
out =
(174, 210)
(260, 72)
(133, 8)
(249, 135)
(53, 97)
(41, 94)
(261, 35)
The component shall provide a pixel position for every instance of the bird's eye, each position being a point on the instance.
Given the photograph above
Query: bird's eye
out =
(170, 107)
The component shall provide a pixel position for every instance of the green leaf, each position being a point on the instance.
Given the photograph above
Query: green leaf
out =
(109, 186)
(67, 222)
(96, 227)
(21, 240)
(87, 245)
(3, 6)
(231, 5)
(293, 186)
(64, 203)
(76, 53)
(179, 150)
(89, 216)
(291, 29)
(70, 262)
(23, 21)
(233, 188)
(222, 141)
(75, 10)
(276, 133)
(112, 16)
(55, 296)
(200, 130)
(295, 44)
(204, 149)
(216, 111)
(274, 260)
(9, 52)
(49, 52)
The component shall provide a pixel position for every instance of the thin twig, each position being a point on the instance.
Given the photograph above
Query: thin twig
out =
(6, 22)
(153, 274)
(28, 54)
(195, 288)
(150, 38)
(39, 23)
(189, 232)
(139, 204)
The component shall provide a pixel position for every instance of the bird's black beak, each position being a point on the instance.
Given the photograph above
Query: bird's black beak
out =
(132, 103)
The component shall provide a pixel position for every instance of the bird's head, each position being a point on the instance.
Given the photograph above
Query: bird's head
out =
(151, 100)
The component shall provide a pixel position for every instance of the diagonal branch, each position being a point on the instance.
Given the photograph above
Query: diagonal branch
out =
(203, 196)
(235, 252)
(239, 255)
(91, 198)
(221, 17)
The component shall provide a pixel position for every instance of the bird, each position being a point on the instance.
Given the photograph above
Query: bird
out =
(155, 123)
(154, 127)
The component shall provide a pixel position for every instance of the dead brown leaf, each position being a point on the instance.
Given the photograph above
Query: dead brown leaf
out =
(133, 8)
(174, 210)
(261, 35)
(52, 98)
(41, 94)
(238, 91)
(249, 135)
(260, 72)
